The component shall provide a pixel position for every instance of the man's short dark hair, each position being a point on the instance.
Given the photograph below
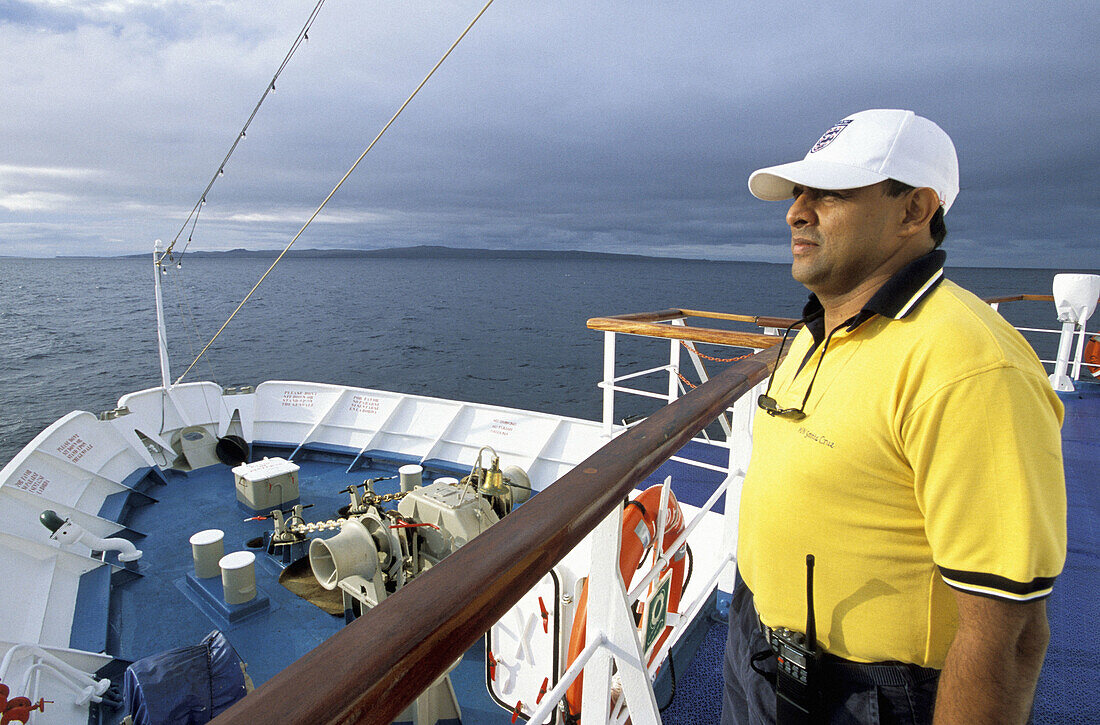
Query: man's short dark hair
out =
(936, 227)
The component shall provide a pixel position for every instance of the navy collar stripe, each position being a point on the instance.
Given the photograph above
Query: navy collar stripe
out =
(900, 294)
(920, 294)
(895, 299)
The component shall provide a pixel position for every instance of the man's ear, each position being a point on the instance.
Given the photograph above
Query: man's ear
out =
(920, 206)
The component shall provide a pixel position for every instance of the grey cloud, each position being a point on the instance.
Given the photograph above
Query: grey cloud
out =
(619, 126)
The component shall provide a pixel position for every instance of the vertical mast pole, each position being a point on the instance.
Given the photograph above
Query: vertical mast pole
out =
(608, 383)
(162, 337)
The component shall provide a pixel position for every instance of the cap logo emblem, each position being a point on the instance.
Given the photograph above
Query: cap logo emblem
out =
(828, 136)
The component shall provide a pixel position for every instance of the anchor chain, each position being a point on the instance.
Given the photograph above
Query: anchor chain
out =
(332, 524)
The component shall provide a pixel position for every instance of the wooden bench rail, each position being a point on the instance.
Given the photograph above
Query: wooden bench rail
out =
(369, 671)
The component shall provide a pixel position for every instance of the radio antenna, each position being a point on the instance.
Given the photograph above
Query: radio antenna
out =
(811, 622)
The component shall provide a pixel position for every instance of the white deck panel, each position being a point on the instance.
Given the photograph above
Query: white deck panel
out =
(516, 436)
(355, 417)
(187, 405)
(57, 619)
(544, 472)
(22, 509)
(77, 462)
(287, 412)
(415, 426)
(574, 440)
(94, 446)
(366, 410)
(46, 580)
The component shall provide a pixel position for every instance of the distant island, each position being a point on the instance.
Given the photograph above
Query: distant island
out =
(423, 251)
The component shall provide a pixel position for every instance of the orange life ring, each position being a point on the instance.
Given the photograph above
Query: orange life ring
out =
(1091, 356)
(631, 554)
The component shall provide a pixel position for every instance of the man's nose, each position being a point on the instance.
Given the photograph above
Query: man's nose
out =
(801, 211)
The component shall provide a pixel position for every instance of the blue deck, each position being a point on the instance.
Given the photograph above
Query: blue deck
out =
(156, 610)
(1070, 682)
(152, 608)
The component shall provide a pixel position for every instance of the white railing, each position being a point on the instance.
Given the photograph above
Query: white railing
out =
(612, 383)
(611, 634)
(1075, 299)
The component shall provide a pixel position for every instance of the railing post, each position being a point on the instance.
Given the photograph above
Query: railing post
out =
(608, 383)
(673, 370)
(606, 540)
(609, 615)
(1058, 379)
(1080, 354)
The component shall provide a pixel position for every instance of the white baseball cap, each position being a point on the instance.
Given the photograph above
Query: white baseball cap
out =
(866, 148)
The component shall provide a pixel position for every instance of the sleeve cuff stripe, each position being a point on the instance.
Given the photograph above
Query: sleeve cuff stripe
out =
(997, 593)
(997, 585)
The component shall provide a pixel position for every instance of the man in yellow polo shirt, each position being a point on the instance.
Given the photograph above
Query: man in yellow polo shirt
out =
(909, 442)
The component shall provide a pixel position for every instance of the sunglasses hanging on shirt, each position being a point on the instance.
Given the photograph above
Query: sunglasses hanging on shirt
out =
(768, 404)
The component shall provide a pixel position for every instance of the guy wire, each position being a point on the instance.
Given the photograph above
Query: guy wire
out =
(193, 217)
(335, 189)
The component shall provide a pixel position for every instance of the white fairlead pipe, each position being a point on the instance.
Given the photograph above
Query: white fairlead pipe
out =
(91, 693)
(73, 533)
(80, 678)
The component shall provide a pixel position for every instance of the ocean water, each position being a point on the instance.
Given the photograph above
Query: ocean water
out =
(76, 334)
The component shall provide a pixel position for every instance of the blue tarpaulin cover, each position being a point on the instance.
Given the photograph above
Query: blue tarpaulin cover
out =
(186, 685)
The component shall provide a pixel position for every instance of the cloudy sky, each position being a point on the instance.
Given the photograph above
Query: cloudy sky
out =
(604, 125)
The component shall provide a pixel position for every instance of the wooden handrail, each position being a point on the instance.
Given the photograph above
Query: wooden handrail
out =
(370, 670)
(782, 322)
(758, 320)
(648, 325)
(1018, 298)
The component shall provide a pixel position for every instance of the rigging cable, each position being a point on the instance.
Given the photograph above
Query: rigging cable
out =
(335, 189)
(193, 217)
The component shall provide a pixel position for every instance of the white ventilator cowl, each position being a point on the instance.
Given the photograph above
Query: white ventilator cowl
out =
(866, 148)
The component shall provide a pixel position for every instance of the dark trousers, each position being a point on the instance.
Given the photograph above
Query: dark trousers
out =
(880, 693)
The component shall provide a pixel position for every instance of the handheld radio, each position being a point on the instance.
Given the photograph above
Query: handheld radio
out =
(797, 658)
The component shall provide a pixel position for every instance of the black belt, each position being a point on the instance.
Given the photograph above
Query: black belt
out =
(865, 673)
